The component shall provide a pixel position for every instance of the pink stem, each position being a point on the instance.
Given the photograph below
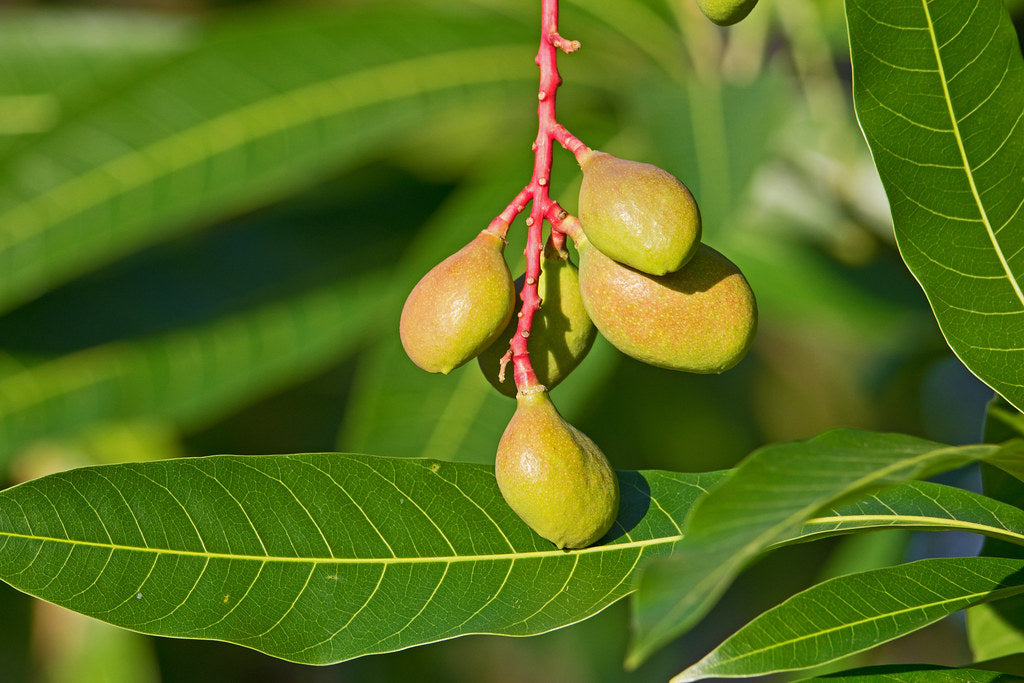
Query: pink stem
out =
(537, 192)
(547, 60)
(499, 226)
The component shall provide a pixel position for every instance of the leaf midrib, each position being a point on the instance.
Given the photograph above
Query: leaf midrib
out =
(764, 539)
(529, 555)
(899, 521)
(718, 663)
(923, 521)
(968, 171)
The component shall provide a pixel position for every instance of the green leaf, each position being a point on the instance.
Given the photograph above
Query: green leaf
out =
(1002, 421)
(193, 375)
(939, 92)
(853, 613)
(926, 506)
(996, 629)
(345, 539)
(260, 108)
(54, 57)
(912, 673)
(738, 521)
(318, 558)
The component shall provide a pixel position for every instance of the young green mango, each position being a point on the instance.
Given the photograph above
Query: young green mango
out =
(554, 477)
(562, 332)
(458, 308)
(701, 318)
(726, 12)
(638, 214)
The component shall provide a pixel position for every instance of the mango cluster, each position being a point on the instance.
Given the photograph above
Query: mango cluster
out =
(652, 288)
(645, 281)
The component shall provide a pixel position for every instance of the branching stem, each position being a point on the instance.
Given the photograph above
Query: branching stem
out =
(537, 193)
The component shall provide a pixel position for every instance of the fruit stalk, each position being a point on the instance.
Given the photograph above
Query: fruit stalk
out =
(548, 130)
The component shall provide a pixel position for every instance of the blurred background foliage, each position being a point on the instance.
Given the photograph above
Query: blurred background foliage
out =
(210, 213)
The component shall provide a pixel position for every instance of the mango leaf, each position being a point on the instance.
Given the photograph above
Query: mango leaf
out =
(1002, 421)
(336, 555)
(318, 558)
(923, 505)
(190, 375)
(323, 557)
(54, 57)
(261, 107)
(855, 612)
(737, 521)
(996, 629)
(912, 673)
(939, 92)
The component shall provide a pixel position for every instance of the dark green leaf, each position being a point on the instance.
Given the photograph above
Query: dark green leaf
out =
(194, 375)
(923, 505)
(259, 108)
(939, 91)
(187, 533)
(912, 673)
(738, 521)
(852, 613)
(318, 558)
(996, 629)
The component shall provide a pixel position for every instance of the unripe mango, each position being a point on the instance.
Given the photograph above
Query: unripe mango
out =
(458, 308)
(554, 477)
(638, 214)
(561, 334)
(726, 12)
(701, 318)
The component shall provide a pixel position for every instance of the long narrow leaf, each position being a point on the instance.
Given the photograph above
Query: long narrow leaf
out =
(856, 612)
(318, 558)
(737, 520)
(192, 375)
(259, 108)
(939, 92)
(913, 673)
(923, 505)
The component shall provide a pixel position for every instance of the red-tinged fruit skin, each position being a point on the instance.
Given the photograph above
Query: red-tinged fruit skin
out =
(562, 332)
(458, 308)
(701, 318)
(554, 477)
(638, 214)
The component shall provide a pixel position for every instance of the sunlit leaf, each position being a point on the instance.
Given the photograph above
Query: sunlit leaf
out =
(853, 613)
(738, 521)
(939, 92)
(318, 558)
(923, 505)
(913, 673)
(53, 58)
(259, 108)
(996, 629)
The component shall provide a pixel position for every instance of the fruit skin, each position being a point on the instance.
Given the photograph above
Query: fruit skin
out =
(701, 318)
(638, 214)
(554, 477)
(562, 332)
(726, 12)
(458, 308)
